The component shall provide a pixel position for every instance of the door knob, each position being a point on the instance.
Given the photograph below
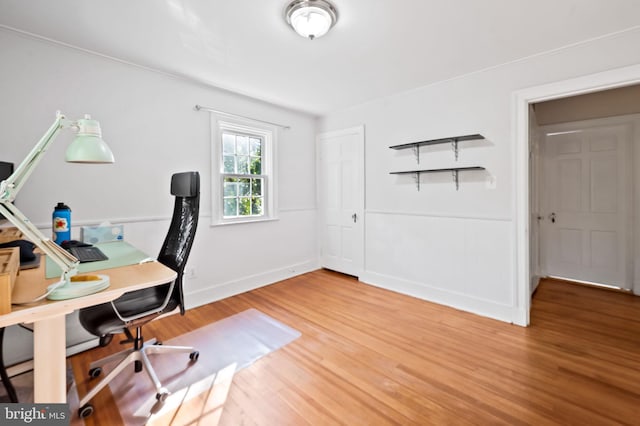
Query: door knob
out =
(552, 216)
(354, 217)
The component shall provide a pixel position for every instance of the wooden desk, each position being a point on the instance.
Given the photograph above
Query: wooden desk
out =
(48, 317)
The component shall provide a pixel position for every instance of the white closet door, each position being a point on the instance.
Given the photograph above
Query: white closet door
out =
(341, 200)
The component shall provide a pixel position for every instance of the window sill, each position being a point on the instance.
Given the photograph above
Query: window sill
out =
(242, 221)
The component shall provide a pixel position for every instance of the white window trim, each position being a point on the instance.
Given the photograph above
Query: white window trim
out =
(269, 134)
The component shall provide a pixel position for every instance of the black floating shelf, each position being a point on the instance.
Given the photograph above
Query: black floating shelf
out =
(453, 140)
(438, 141)
(453, 170)
(449, 169)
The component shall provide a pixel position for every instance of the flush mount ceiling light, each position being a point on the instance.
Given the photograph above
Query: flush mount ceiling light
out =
(311, 18)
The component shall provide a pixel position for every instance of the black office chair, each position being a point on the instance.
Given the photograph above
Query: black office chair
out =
(136, 308)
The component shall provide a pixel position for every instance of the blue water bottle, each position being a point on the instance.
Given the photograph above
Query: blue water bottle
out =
(61, 223)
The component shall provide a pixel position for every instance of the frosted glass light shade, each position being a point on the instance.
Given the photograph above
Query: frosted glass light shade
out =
(88, 146)
(311, 18)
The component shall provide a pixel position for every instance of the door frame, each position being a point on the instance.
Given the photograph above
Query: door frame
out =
(360, 202)
(521, 169)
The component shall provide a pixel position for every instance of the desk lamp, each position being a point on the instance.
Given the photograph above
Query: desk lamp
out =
(87, 147)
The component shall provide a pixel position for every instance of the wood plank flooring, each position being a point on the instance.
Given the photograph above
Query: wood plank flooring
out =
(374, 357)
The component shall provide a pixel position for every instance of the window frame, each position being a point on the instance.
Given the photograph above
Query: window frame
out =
(221, 124)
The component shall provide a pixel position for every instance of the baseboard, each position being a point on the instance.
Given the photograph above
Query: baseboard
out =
(248, 283)
(27, 365)
(19, 368)
(462, 302)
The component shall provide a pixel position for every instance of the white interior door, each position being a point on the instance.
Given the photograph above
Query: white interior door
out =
(586, 192)
(341, 200)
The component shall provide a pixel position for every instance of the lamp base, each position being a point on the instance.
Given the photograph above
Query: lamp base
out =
(80, 285)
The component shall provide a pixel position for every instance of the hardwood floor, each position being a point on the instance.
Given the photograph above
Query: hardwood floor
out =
(370, 356)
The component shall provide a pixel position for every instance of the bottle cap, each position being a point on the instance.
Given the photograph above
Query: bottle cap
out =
(61, 206)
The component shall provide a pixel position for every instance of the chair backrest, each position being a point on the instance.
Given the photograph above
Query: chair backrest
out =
(182, 230)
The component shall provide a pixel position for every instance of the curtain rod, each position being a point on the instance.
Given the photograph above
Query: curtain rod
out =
(204, 108)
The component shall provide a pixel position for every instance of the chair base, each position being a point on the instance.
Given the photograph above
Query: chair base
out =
(140, 358)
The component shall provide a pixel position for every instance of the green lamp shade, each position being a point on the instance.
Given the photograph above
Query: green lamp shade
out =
(88, 146)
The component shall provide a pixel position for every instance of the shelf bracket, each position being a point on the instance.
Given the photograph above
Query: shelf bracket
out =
(454, 173)
(454, 146)
(416, 152)
(416, 176)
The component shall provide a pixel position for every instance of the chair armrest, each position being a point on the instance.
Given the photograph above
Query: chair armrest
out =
(146, 313)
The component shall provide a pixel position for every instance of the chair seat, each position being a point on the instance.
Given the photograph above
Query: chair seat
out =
(101, 320)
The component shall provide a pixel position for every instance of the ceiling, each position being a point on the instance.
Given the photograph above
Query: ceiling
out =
(377, 48)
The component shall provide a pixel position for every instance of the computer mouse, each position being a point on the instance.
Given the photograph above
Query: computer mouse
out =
(26, 249)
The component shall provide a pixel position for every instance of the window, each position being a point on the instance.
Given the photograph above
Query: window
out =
(242, 175)
(243, 178)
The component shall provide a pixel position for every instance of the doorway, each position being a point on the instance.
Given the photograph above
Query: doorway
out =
(524, 224)
(584, 217)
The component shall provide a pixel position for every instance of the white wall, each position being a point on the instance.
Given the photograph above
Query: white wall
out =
(457, 247)
(148, 120)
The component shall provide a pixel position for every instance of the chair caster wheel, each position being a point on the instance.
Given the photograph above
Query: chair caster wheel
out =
(95, 372)
(105, 340)
(85, 411)
(162, 396)
(193, 356)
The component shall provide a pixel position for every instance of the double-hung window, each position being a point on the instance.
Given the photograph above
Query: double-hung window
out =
(243, 178)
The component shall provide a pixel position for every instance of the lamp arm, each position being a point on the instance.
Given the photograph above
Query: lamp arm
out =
(67, 262)
(12, 185)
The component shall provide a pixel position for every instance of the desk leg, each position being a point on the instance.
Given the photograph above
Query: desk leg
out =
(49, 360)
